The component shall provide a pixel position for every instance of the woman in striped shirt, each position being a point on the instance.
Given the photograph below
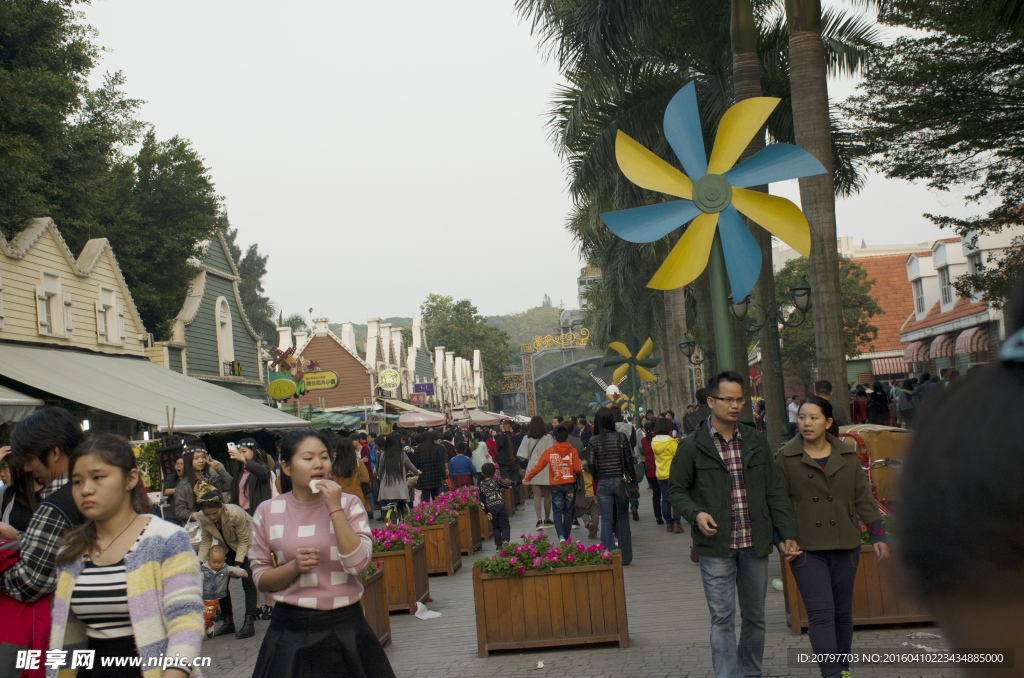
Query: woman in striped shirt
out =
(154, 613)
(310, 547)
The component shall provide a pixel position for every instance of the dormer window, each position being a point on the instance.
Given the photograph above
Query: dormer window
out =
(946, 286)
(919, 296)
(974, 265)
(225, 339)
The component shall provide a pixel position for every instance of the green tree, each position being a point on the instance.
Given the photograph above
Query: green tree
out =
(943, 106)
(799, 360)
(459, 327)
(296, 321)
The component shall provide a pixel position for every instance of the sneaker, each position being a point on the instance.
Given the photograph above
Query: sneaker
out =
(845, 674)
(540, 525)
(548, 522)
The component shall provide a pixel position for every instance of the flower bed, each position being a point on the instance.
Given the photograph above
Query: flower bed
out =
(440, 528)
(400, 551)
(535, 594)
(375, 602)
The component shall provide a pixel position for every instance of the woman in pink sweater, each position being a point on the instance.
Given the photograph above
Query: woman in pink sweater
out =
(310, 547)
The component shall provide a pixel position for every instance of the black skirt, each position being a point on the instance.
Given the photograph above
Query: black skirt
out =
(111, 647)
(301, 642)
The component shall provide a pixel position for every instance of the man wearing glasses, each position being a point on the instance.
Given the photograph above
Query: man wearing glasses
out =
(723, 481)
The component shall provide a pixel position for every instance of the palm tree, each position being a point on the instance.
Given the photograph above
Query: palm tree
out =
(623, 61)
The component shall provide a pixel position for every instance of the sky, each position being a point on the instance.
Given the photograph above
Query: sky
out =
(379, 152)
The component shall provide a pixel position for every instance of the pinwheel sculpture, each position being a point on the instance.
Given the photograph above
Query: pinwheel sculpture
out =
(713, 192)
(632, 360)
(599, 401)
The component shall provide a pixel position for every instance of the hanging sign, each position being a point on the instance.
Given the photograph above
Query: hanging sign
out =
(319, 381)
(281, 389)
(418, 399)
(426, 388)
(389, 380)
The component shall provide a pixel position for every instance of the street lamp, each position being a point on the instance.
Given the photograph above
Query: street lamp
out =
(773, 317)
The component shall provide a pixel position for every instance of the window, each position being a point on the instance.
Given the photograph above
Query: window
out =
(106, 318)
(48, 305)
(918, 296)
(225, 341)
(974, 265)
(945, 286)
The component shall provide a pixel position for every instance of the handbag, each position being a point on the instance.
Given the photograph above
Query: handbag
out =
(195, 532)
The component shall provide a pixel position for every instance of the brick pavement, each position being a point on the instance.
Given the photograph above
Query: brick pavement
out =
(668, 622)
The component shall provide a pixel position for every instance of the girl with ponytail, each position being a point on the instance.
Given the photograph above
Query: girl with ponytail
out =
(96, 605)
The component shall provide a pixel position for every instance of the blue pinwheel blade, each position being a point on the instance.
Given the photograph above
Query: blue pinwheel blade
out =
(650, 222)
(776, 162)
(742, 255)
(683, 131)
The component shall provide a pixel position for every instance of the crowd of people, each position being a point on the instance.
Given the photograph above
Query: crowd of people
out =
(85, 554)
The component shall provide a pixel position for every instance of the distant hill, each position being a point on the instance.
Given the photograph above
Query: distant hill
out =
(524, 326)
(360, 331)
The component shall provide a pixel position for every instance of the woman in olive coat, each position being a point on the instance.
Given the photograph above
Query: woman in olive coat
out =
(829, 491)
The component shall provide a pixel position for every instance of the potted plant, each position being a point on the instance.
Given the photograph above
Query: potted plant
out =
(399, 550)
(375, 602)
(465, 501)
(539, 594)
(880, 594)
(439, 525)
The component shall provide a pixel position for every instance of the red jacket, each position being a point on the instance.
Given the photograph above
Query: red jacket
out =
(649, 464)
(564, 463)
(26, 625)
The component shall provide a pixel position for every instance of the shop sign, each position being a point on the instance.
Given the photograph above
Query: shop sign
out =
(281, 389)
(389, 380)
(471, 402)
(374, 418)
(426, 388)
(418, 399)
(319, 381)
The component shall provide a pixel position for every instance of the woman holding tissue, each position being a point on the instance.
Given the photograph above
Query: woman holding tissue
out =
(310, 546)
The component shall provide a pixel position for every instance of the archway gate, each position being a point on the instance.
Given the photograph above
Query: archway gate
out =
(545, 356)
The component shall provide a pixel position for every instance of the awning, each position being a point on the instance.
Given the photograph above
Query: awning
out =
(406, 407)
(885, 366)
(463, 415)
(425, 419)
(942, 347)
(15, 406)
(335, 420)
(974, 340)
(916, 352)
(138, 389)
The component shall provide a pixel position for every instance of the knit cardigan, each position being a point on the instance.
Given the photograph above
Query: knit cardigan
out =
(165, 601)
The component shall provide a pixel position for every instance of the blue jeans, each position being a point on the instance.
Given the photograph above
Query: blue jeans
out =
(611, 496)
(669, 513)
(563, 503)
(742, 572)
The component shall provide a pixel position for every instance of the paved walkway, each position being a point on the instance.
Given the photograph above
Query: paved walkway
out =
(668, 622)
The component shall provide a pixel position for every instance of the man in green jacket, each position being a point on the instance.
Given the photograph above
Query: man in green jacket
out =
(724, 483)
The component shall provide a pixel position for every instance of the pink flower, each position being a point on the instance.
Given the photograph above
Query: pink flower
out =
(580, 546)
(569, 558)
(514, 560)
(520, 570)
(606, 555)
(536, 562)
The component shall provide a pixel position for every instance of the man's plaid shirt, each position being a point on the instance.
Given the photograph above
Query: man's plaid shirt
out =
(36, 574)
(730, 451)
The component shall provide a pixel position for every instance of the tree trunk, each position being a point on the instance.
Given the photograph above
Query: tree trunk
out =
(677, 368)
(746, 73)
(809, 84)
(704, 332)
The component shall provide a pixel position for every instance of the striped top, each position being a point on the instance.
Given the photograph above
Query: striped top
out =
(100, 600)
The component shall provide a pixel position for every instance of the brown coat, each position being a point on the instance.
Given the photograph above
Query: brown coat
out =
(352, 484)
(827, 500)
(234, 532)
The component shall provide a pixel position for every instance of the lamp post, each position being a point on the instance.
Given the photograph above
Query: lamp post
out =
(697, 355)
(775, 315)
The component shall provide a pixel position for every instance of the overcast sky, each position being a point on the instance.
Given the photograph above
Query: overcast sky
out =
(382, 151)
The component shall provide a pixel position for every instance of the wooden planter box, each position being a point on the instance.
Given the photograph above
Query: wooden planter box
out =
(441, 543)
(375, 607)
(469, 532)
(486, 529)
(405, 577)
(879, 595)
(569, 606)
(508, 495)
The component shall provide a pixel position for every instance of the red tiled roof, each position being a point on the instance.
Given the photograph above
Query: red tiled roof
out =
(961, 309)
(894, 293)
(949, 240)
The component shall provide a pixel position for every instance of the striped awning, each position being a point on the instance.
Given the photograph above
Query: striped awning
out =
(916, 352)
(886, 366)
(942, 347)
(974, 340)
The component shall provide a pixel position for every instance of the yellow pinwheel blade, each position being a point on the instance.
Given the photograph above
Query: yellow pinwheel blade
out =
(776, 215)
(619, 373)
(738, 126)
(647, 170)
(688, 258)
(620, 348)
(645, 350)
(645, 375)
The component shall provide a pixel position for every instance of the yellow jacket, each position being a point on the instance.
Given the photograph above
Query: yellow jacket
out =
(664, 452)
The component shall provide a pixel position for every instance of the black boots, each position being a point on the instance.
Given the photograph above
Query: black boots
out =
(248, 629)
(227, 627)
